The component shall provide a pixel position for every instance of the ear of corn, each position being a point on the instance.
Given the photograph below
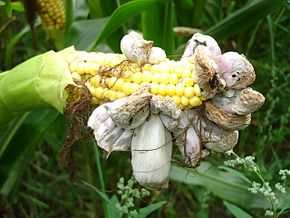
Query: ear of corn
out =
(112, 76)
(52, 13)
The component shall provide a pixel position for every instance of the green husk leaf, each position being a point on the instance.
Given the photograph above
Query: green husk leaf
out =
(37, 83)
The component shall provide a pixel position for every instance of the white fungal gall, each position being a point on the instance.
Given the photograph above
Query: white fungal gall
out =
(156, 55)
(135, 48)
(200, 39)
(151, 151)
(236, 70)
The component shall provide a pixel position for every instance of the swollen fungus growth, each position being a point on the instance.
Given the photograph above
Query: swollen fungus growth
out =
(146, 102)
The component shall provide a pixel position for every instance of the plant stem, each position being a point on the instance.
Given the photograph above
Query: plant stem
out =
(100, 173)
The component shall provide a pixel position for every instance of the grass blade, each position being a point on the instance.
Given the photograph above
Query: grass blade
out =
(236, 211)
(28, 135)
(221, 183)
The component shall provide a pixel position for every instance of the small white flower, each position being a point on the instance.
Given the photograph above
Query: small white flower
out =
(284, 173)
(280, 188)
(269, 213)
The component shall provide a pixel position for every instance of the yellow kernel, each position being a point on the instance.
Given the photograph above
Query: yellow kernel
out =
(137, 78)
(98, 92)
(189, 91)
(173, 79)
(196, 90)
(181, 107)
(92, 89)
(164, 79)
(147, 76)
(195, 101)
(134, 87)
(81, 68)
(76, 76)
(176, 99)
(95, 101)
(119, 84)
(202, 98)
(179, 90)
(111, 82)
(154, 88)
(162, 89)
(92, 68)
(96, 80)
(188, 81)
(170, 90)
(178, 71)
(190, 66)
(186, 74)
(121, 95)
(147, 67)
(156, 78)
(184, 101)
(73, 66)
(112, 95)
(128, 75)
(161, 96)
(105, 93)
(127, 88)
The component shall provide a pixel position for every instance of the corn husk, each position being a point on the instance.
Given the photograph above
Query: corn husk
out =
(37, 83)
(151, 151)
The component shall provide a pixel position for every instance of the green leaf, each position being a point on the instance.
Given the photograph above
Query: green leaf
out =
(103, 195)
(26, 137)
(145, 211)
(223, 184)
(37, 83)
(11, 44)
(236, 211)
(121, 15)
(11, 129)
(112, 210)
(95, 8)
(236, 173)
(81, 10)
(17, 6)
(82, 34)
(34, 201)
(159, 15)
(243, 18)
(8, 8)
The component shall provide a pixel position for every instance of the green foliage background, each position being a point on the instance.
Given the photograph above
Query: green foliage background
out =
(32, 184)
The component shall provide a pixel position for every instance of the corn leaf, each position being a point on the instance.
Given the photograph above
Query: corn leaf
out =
(159, 15)
(243, 18)
(121, 15)
(36, 83)
(223, 184)
(82, 34)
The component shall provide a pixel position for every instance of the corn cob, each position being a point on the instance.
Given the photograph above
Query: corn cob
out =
(52, 13)
(112, 76)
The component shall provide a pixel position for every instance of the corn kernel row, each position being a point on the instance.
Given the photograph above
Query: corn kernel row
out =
(111, 76)
(52, 13)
